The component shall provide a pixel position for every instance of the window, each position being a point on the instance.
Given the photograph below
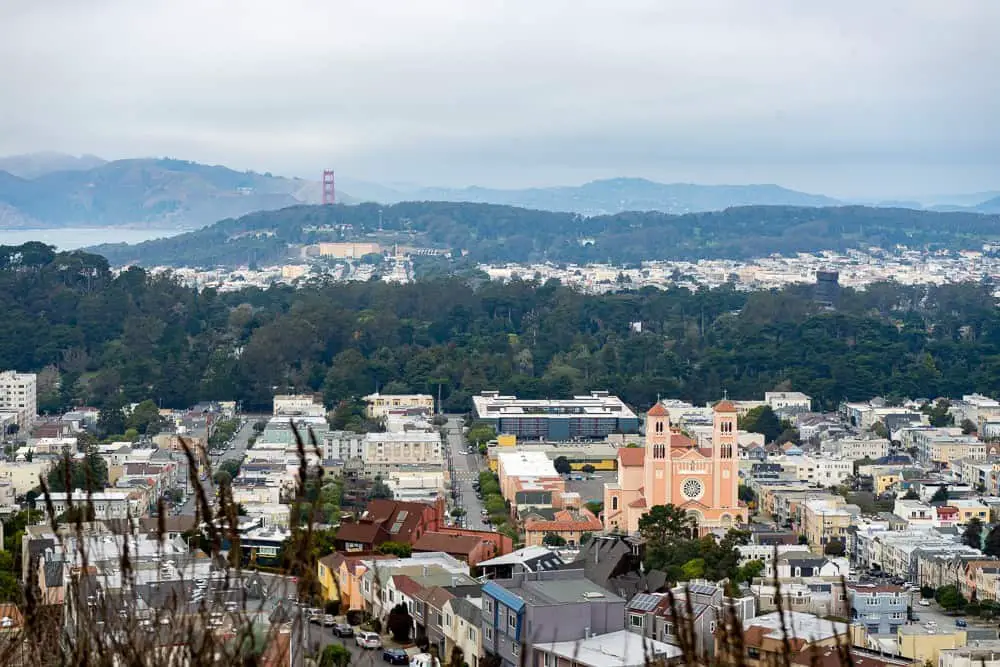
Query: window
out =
(447, 620)
(488, 633)
(614, 502)
(515, 648)
(511, 621)
(635, 620)
(711, 626)
(546, 660)
(472, 634)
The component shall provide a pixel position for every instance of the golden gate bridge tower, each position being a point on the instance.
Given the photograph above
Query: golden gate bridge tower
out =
(329, 187)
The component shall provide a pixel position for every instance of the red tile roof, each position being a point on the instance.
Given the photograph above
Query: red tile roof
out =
(725, 406)
(631, 457)
(563, 520)
(658, 411)
(641, 502)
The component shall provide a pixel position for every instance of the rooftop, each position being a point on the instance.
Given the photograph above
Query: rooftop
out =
(597, 404)
(615, 649)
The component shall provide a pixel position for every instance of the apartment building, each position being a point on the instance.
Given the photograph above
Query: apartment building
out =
(18, 395)
(380, 405)
(384, 453)
(854, 449)
(941, 446)
(826, 471)
(827, 519)
(880, 608)
(107, 504)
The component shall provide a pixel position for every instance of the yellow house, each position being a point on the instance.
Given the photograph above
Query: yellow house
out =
(327, 571)
(886, 481)
(970, 509)
(922, 645)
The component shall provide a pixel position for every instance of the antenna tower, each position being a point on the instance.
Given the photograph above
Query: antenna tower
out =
(329, 188)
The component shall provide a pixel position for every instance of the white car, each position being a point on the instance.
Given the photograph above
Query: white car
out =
(368, 640)
(924, 603)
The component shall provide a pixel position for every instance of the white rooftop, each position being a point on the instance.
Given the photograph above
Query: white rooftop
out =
(614, 649)
(519, 556)
(799, 625)
(526, 464)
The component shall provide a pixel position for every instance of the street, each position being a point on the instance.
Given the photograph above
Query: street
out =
(237, 451)
(466, 469)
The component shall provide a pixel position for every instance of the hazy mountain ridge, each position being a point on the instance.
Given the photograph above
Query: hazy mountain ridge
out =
(144, 192)
(33, 165)
(608, 196)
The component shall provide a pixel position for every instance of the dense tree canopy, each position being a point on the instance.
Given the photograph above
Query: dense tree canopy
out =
(114, 340)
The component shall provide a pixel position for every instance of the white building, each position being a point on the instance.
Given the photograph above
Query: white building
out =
(856, 449)
(380, 405)
(106, 504)
(789, 401)
(298, 405)
(18, 395)
(818, 471)
(384, 453)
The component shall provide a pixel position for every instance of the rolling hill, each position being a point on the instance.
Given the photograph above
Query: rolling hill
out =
(494, 233)
(143, 192)
(608, 196)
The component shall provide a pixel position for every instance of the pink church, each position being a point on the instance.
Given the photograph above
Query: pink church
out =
(672, 469)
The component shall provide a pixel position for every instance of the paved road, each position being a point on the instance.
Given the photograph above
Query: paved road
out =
(237, 451)
(466, 467)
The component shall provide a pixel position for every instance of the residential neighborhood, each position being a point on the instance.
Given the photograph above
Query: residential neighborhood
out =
(872, 529)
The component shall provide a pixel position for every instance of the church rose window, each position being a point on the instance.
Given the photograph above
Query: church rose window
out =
(692, 488)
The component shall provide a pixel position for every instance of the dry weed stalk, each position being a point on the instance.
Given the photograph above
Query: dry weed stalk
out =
(100, 623)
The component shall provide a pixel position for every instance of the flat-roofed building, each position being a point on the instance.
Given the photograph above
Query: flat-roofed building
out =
(18, 396)
(380, 405)
(591, 417)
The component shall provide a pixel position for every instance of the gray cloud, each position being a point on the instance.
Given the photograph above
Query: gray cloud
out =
(847, 98)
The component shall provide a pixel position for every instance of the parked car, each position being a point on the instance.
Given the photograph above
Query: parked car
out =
(329, 620)
(924, 603)
(368, 640)
(343, 630)
(395, 656)
(961, 623)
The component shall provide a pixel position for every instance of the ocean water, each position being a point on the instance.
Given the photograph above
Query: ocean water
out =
(71, 238)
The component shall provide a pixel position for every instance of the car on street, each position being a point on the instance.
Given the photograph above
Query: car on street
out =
(368, 640)
(924, 603)
(395, 656)
(961, 623)
(329, 620)
(343, 630)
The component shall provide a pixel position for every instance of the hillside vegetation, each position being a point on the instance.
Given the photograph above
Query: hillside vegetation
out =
(100, 339)
(492, 233)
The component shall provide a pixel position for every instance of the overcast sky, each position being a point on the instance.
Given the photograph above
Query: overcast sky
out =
(848, 98)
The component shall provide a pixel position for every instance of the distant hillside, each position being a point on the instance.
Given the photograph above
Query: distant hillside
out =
(144, 192)
(33, 165)
(608, 196)
(492, 233)
(990, 206)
